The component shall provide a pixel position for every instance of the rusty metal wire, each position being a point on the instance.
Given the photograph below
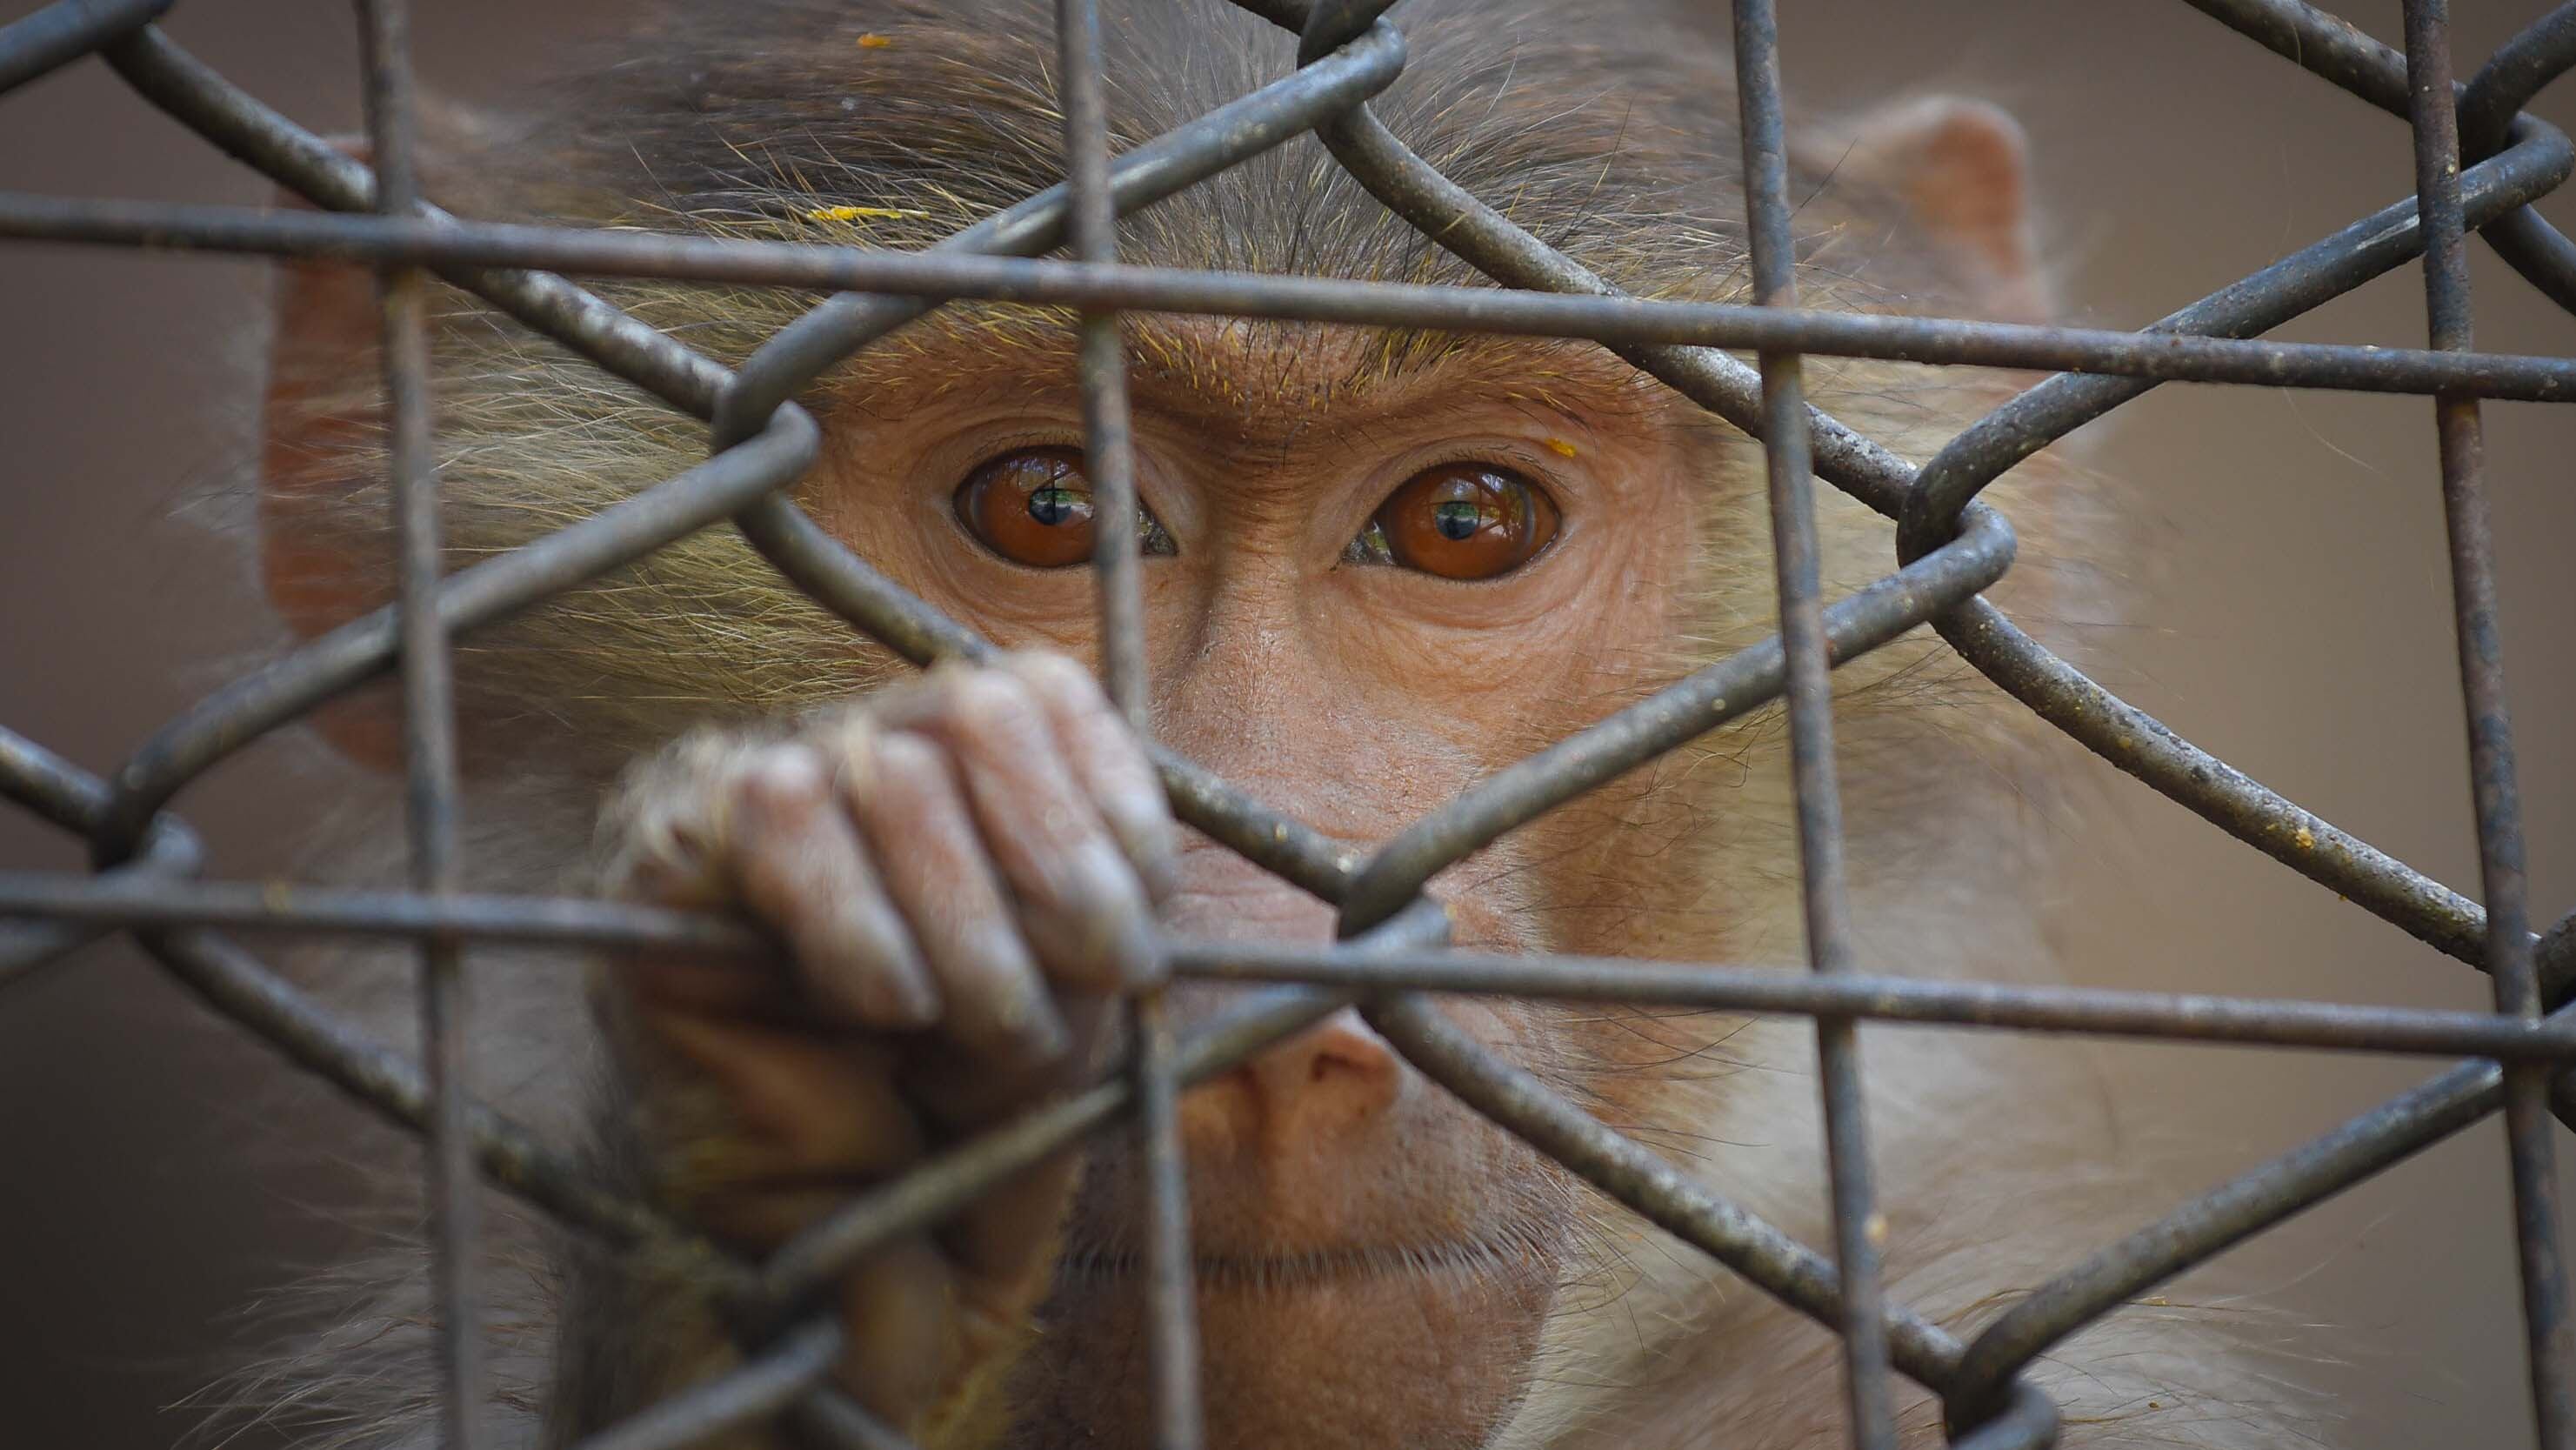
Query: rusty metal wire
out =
(2480, 163)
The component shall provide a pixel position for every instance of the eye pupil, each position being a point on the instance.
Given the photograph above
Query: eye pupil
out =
(1052, 506)
(1457, 519)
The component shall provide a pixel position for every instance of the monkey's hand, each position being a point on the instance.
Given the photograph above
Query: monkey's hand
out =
(960, 867)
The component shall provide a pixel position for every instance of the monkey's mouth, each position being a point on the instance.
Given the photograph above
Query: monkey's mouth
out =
(1282, 1270)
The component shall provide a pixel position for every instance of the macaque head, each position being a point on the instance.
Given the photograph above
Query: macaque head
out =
(1377, 567)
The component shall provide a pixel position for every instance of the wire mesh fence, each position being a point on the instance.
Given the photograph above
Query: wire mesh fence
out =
(2481, 162)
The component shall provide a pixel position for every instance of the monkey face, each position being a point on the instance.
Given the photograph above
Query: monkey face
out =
(1364, 590)
(1378, 568)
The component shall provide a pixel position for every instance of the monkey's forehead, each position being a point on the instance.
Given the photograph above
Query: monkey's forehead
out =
(1605, 127)
(1238, 377)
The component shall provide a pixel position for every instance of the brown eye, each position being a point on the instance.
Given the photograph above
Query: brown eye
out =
(1031, 507)
(1466, 521)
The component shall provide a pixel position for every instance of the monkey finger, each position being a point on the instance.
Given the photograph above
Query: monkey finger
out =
(666, 824)
(915, 818)
(1081, 903)
(1005, 1243)
(900, 1309)
(1107, 760)
(799, 862)
(959, 1094)
(800, 1110)
(715, 988)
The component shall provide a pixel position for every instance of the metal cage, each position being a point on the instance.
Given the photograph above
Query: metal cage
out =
(2480, 162)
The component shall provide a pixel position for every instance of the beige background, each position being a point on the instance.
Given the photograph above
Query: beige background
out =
(2293, 618)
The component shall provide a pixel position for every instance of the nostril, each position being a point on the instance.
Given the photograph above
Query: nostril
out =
(1323, 1083)
(1338, 1054)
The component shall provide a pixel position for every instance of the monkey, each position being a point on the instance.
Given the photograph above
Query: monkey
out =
(1378, 565)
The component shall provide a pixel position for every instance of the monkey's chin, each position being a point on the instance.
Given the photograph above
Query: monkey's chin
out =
(1313, 1349)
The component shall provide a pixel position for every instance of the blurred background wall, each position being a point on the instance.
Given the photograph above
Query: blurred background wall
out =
(2292, 616)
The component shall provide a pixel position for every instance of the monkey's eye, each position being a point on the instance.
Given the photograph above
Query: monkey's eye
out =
(1460, 521)
(1033, 506)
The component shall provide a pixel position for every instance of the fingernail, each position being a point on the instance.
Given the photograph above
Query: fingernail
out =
(1157, 859)
(892, 982)
(1023, 1011)
(1120, 920)
(1037, 1033)
(904, 1001)
(1139, 947)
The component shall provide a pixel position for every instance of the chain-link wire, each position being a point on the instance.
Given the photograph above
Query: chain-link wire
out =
(2480, 163)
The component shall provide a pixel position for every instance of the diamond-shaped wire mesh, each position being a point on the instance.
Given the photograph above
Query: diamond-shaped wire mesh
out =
(2480, 163)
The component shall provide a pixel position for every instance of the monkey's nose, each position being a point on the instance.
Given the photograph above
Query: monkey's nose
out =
(1308, 1095)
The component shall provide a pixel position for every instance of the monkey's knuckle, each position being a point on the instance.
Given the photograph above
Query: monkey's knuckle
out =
(991, 707)
(782, 780)
(852, 721)
(1058, 674)
(850, 752)
(990, 694)
(909, 767)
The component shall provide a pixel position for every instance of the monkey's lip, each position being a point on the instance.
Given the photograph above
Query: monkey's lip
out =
(1292, 1268)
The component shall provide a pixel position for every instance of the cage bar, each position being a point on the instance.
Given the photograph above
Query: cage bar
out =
(2477, 170)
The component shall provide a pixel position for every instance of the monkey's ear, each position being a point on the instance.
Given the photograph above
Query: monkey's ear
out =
(321, 422)
(1962, 167)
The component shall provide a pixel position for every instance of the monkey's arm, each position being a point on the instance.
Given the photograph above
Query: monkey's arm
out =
(960, 869)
